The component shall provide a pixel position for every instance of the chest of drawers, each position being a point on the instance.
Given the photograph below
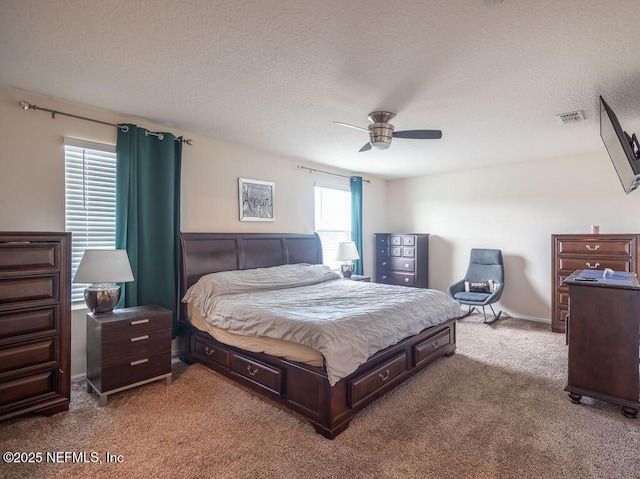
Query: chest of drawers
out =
(126, 348)
(402, 259)
(618, 252)
(35, 335)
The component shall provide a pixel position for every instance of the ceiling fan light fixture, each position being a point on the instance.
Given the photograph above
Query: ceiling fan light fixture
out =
(380, 135)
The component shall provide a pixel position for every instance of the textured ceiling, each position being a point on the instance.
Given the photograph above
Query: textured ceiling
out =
(276, 74)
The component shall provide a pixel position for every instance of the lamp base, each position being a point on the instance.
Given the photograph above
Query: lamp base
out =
(102, 297)
(346, 269)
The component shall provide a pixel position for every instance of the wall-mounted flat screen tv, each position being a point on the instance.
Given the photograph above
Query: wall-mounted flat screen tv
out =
(622, 148)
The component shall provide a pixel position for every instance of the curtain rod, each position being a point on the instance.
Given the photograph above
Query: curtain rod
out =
(311, 170)
(25, 105)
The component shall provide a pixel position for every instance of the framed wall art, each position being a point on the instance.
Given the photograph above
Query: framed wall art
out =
(256, 199)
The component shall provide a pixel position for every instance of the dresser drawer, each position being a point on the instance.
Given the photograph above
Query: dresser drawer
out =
(265, 376)
(31, 387)
(403, 264)
(136, 347)
(18, 323)
(430, 347)
(408, 240)
(131, 372)
(19, 257)
(402, 279)
(27, 291)
(211, 353)
(573, 264)
(27, 354)
(596, 247)
(363, 386)
(395, 240)
(408, 252)
(563, 297)
(135, 326)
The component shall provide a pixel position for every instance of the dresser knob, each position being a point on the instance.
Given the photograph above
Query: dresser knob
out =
(406, 280)
(209, 350)
(384, 263)
(140, 361)
(406, 265)
(594, 266)
(435, 344)
(597, 247)
(384, 277)
(385, 376)
(253, 371)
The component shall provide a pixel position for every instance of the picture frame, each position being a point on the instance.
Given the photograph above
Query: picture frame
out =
(256, 200)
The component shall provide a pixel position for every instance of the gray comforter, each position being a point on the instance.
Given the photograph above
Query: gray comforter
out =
(346, 321)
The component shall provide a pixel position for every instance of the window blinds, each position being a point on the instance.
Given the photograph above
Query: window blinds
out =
(90, 200)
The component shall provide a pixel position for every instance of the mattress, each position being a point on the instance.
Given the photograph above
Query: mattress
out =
(258, 344)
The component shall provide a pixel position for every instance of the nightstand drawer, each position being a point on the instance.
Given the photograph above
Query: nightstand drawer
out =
(138, 325)
(135, 347)
(134, 371)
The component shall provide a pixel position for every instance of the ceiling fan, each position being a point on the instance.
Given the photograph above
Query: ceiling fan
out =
(381, 132)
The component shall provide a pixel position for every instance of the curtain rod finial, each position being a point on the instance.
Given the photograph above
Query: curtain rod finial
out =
(25, 105)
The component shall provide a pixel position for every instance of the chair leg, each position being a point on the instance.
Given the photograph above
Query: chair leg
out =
(471, 310)
(495, 316)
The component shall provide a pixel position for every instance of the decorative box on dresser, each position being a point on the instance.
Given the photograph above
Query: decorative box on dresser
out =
(402, 259)
(572, 252)
(35, 312)
(127, 348)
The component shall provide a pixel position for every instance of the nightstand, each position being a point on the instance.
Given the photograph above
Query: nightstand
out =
(127, 348)
(359, 277)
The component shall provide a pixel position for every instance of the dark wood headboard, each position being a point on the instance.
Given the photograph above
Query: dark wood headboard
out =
(204, 253)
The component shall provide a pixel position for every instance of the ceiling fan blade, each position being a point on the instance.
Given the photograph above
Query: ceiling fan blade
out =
(419, 134)
(351, 126)
(366, 147)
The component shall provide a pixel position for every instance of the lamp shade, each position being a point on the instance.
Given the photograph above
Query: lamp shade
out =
(104, 266)
(347, 251)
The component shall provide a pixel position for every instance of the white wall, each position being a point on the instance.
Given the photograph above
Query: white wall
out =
(515, 208)
(32, 182)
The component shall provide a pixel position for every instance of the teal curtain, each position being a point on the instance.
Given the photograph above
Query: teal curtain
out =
(148, 216)
(356, 220)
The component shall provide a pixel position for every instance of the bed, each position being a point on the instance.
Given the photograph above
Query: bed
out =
(302, 380)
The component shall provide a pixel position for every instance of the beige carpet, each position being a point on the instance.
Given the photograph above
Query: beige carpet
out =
(496, 409)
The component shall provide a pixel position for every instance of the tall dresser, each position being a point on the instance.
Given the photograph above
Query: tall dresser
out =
(402, 259)
(569, 253)
(35, 334)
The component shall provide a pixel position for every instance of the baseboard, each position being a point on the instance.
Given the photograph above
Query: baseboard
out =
(505, 314)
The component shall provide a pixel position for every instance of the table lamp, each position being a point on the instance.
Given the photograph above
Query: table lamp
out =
(103, 269)
(347, 252)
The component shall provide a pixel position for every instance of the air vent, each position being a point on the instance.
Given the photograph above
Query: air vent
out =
(571, 117)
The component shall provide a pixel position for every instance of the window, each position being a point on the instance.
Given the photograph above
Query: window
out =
(333, 220)
(90, 200)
